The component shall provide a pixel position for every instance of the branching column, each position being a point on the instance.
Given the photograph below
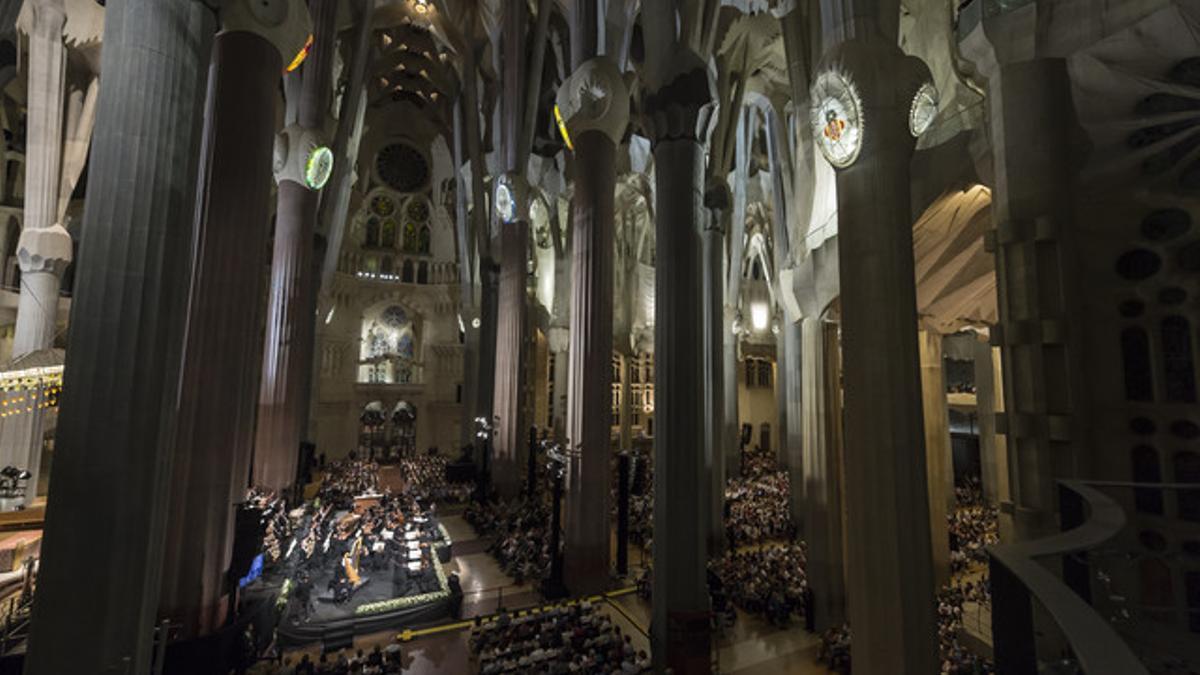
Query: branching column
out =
(44, 249)
(675, 113)
(291, 323)
(595, 106)
(99, 579)
(890, 575)
(219, 392)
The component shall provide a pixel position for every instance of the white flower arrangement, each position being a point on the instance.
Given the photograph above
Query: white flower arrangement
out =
(281, 601)
(411, 600)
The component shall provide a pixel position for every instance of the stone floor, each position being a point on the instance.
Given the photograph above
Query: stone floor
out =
(752, 647)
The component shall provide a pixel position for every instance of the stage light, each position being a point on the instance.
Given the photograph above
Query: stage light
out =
(759, 314)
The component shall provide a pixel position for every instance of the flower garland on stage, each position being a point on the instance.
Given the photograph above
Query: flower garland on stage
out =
(411, 600)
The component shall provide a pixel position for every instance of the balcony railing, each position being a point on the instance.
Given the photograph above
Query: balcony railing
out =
(1105, 615)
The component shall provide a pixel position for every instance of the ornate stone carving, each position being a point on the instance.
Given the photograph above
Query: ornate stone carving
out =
(293, 146)
(44, 250)
(286, 24)
(595, 98)
(680, 109)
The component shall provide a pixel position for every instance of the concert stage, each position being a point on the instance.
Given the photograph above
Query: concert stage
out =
(393, 596)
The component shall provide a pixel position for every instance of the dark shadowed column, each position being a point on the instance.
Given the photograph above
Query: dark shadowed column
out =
(680, 636)
(219, 392)
(102, 552)
(595, 86)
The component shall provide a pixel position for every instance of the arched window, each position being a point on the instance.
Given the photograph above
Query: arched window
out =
(1187, 470)
(410, 238)
(423, 240)
(372, 238)
(406, 274)
(1135, 355)
(1179, 377)
(1146, 469)
(388, 238)
(423, 272)
(385, 266)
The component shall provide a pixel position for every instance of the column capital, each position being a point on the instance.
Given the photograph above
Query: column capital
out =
(680, 108)
(46, 249)
(286, 24)
(559, 338)
(45, 19)
(718, 200)
(297, 156)
(595, 98)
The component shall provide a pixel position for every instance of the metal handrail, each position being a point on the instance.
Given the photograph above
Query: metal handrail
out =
(1097, 646)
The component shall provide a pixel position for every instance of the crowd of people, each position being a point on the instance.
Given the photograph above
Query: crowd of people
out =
(520, 533)
(769, 581)
(756, 505)
(565, 639)
(377, 661)
(973, 526)
(425, 477)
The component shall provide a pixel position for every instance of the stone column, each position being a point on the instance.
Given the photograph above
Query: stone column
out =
(559, 346)
(890, 572)
(625, 434)
(939, 460)
(993, 447)
(676, 112)
(219, 383)
(822, 480)
(102, 550)
(595, 106)
(791, 392)
(512, 429)
(712, 268)
(733, 289)
(44, 248)
(291, 309)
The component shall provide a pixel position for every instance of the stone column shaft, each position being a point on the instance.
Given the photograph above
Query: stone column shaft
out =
(101, 563)
(44, 248)
(680, 624)
(939, 462)
(822, 480)
(729, 419)
(219, 392)
(589, 401)
(712, 243)
(790, 398)
(512, 432)
(291, 310)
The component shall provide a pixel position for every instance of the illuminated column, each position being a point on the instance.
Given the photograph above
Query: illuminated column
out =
(219, 393)
(302, 165)
(594, 104)
(862, 95)
(676, 113)
(44, 249)
(101, 562)
(938, 461)
(712, 256)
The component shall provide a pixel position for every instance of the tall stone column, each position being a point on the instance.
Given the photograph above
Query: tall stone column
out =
(560, 348)
(291, 309)
(44, 248)
(993, 447)
(712, 291)
(96, 600)
(625, 433)
(939, 461)
(511, 329)
(676, 112)
(733, 289)
(219, 392)
(890, 572)
(822, 476)
(595, 106)
(791, 392)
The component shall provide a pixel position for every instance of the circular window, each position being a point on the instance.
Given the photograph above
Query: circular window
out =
(382, 205)
(1142, 426)
(1185, 429)
(1131, 309)
(1165, 224)
(402, 167)
(418, 210)
(394, 316)
(1138, 264)
(1152, 540)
